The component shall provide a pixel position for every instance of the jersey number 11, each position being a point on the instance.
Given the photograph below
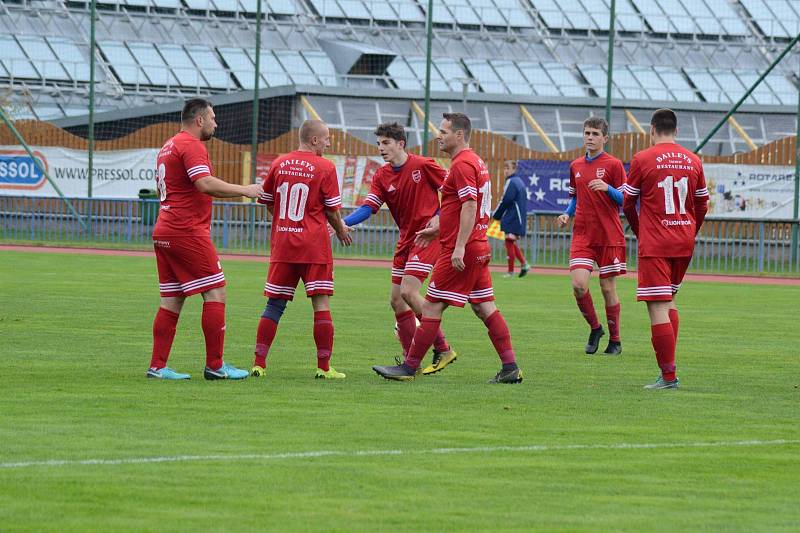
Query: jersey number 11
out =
(669, 199)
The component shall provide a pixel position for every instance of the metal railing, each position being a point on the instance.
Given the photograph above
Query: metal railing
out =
(732, 246)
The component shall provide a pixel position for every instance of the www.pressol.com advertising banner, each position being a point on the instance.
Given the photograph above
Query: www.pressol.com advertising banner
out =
(116, 174)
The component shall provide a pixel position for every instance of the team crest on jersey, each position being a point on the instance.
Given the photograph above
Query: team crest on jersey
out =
(416, 176)
(601, 172)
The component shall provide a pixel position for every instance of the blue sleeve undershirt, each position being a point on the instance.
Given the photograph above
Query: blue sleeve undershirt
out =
(615, 194)
(358, 216)
(573, 203)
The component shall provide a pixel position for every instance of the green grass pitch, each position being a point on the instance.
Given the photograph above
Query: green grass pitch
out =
(76, 337)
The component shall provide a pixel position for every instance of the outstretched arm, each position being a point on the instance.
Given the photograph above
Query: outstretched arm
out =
(222, 189)
(342, 232)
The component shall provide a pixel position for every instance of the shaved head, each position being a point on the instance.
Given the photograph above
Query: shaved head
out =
(310, 129)
(315, 136)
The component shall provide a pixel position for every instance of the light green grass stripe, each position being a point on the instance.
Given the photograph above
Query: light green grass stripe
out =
(373, 453)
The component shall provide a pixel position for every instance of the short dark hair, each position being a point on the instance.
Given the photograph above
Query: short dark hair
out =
(596, 123)
(194, 107)
(392, 130)
(459, 121)
(665, 121)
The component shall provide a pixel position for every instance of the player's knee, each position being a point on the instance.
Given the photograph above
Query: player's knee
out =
(579, 289)
(407, 294)
(274, 309)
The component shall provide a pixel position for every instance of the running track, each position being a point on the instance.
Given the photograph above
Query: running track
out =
(382, 263)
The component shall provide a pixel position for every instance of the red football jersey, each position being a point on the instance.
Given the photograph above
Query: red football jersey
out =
(300, 186)
(597, 216)
(467, 179)
(668, 179)
(184, 210)
(411, 192)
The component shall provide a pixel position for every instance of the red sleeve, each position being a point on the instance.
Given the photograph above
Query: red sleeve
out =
(268, 188)
(631, 191)
(375, 197)
(618, 179)
(195, 160)
(571, 189)
(434, 173)
(465, 180)
(330, 190)
(701, 197)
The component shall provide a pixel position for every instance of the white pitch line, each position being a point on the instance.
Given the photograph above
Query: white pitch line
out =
(377, 453)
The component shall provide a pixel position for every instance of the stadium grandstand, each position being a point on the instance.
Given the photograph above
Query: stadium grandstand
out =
(356, 63)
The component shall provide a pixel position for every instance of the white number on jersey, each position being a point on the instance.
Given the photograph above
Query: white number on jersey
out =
(161, 182)
(667, 184)
(295, 205)
(486, 200)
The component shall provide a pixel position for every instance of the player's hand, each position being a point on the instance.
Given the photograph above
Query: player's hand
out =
(344, 236)
(598, 185)
(562, 219)
(457, 259)
(428, 234)
(252, 190)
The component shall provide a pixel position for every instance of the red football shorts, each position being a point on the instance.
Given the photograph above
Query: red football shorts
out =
(283, 277)
(660, 277)
(473, 284)
(610, 259)
(414, 261)
(187, 265)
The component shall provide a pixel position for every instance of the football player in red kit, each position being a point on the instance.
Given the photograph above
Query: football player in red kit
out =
(668, 182)
(595, 189)
(409, 185)
(301, 192)
(186, 258)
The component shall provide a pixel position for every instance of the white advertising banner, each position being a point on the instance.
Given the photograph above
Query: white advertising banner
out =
(750, 191)
(117, 174)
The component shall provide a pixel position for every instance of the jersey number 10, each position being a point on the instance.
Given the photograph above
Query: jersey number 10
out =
(669, 199)
(295, 205)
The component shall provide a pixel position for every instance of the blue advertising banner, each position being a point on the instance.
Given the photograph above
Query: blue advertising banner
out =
(547, 183)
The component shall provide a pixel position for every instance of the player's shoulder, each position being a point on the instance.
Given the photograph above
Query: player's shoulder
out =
(187, 140)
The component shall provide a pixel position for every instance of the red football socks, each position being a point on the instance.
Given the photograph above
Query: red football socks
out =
(664, 345)
(213, 321)
(423, 340)
(612, 317)
(405, 328)
(501, 337)
(675, 321)
(586, 305)
(511, 254)
(520, 255)
(164, 327)
(440, 343)
(267, 328)
(323, 337)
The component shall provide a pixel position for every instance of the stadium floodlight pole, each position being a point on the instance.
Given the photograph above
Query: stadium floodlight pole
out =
(427, 112)
(42, 169)
(747, 93)
(610, 77)
(92, 45)
(796, 207)
(254, 136)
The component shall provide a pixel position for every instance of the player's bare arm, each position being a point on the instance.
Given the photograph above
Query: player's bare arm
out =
(466, 224)
(427, 235)
(339, 227)
(222, 189)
